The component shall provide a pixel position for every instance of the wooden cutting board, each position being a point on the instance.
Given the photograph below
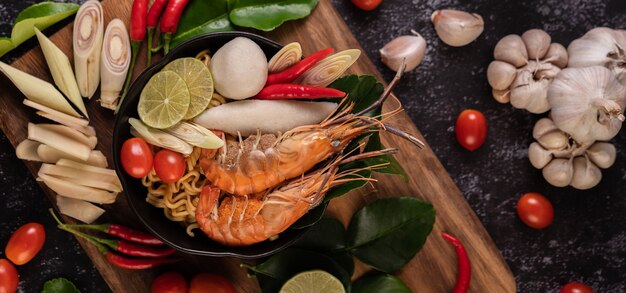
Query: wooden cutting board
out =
(432, 270)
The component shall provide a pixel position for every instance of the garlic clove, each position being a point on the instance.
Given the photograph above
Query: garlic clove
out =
(410, 48)
(547, 71)
(511, 49)
(457, 28)
(502, 96)
(533, 96)
(556, 140)
(558, 172)
(586, 174)
(544, 126)
(557, 55)
(501, 74)
(538, 156)
(602, 154)
(537, 43)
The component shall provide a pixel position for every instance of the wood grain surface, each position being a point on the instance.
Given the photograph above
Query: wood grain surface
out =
(432, 270)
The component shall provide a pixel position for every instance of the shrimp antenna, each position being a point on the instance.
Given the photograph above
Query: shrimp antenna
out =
(387, 151)
(387, 91)
(414, 140)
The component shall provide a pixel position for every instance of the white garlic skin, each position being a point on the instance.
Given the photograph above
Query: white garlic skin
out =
(602, 154)
(538, 156)
(500, 75)
(600, 46)
(558, 172)
(537, 43)
(586, 174)
(511, 49)
(411, 48)
(457, 28)
(587, 103)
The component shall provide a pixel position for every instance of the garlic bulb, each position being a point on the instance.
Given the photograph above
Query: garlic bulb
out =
(408, 48)
(88, 33)
(587, 103)
(524, 68)
(115, 63)
(457, 28)
(603, 47)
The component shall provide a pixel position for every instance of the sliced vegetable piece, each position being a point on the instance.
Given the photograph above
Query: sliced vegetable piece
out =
(37, 90)
(88, 35)
(87, 168)
(159, 138)
(61, 71)
(82, 177)
(329, 69)
(86, 130)
(76, 191)
(297, 91)
(115, 62)
(196, 135)
(27, 150)
(198, 79)
(90, 141)
(59, 116)
(288, 55)
(48, 154)
(58, 141)
(79, 209)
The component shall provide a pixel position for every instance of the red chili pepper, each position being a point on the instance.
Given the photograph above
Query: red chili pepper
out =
(464, 267)
(293, 72)
(153, 19)
(138, 18)
(122, 232)
(170, 19)
(138, 263)
(132, 249)
(297, 91)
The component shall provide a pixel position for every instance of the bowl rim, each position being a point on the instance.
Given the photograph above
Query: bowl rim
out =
(133, 92)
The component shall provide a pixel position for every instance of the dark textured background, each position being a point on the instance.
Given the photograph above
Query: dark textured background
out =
(586, 242)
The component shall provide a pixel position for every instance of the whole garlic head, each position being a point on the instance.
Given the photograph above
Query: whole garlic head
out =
(524, 68)
(587, 103)
(602, 47)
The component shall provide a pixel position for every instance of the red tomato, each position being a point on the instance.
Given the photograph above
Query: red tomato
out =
(471, 129)
(170, 282)
(25, 243)
(136, 157)
(210, 283)
(8, 277)
(169, 165)
(535, 210)
(575, 287)
(367, 4)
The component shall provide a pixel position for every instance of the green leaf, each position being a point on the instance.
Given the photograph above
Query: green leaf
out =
(326, 235)
(40, 15)
(380, 283)
(397, 226)
(311, 217)
(280, 267)
(59, 285)
(200, 17)
(267, 15)
(363, 90)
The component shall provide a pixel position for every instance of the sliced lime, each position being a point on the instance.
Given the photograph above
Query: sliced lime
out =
(199, 82)
(316, 281)
(164, 100)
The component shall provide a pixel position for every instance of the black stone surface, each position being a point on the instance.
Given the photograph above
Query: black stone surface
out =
(586, 242)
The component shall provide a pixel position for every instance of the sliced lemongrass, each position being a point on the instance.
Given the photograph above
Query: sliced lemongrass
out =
(48, 154)
(85, 167)
(87, 43)
(37, 90)
(79, 209)
(330, 68)
(289, 55)
(76, 191)
(86, 130)
(60, 116)
(196, 135)
(90, 141)
(80, 171)
(27, 150)
(159, 138)
(80, 177)
(61, 71)
(58, 141)
(115, 62)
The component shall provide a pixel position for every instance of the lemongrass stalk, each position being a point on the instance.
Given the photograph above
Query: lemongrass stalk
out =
(79, 209)
(116, 53)
(329, 69)
(88, 33)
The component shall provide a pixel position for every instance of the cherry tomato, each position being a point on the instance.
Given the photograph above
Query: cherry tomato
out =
(169, 165)
(25, 243)
(8, 277)
(471, 129)
(210, 283)
(367, 4)
(136, 157)
(575, 287)
(170, 282)
(535, 210)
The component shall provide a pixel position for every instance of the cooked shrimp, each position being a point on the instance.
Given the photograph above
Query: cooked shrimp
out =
(245, 220)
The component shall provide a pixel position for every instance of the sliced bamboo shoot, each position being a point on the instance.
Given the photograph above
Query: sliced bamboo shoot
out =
(81, 166)
(81, 177)
(56, 114)
(90, 141)
(61, 71)
(58, 141)
(115, 62)
(37, 90)
(48, 154)
(79, 209)
(27, 150)
(86, 130)
(88, 33)
(73, 190)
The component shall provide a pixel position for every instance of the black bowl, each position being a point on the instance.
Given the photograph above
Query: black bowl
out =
(172, 233)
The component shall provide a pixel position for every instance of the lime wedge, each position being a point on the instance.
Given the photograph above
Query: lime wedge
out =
(199, 82)
(313, 282)
(164, 100)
